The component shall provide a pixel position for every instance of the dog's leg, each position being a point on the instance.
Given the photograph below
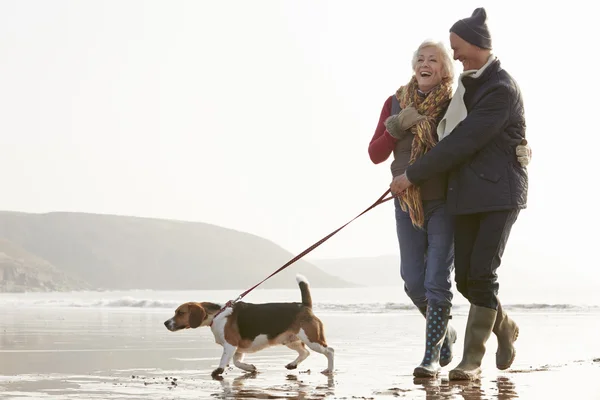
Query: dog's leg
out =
(228, 352)
(315, 341)
(298, 345)
(237, 361)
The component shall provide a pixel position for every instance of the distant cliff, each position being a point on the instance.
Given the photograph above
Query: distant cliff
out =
(21, 271)
(78, 250)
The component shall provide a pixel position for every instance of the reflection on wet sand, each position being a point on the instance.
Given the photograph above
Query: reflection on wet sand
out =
(506, 388)
(442, 389)
(293, 388)
(97, 355)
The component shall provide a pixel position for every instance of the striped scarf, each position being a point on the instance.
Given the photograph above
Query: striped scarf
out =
(431, 106)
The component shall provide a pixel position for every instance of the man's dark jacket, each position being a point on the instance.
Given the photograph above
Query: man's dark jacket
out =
(480, 153)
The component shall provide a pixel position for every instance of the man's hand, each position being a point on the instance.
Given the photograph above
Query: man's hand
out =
(400, 184)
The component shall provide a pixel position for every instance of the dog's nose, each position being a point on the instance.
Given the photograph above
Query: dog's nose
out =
(167, 323)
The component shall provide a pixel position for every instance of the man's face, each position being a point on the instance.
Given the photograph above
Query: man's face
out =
(464, 52)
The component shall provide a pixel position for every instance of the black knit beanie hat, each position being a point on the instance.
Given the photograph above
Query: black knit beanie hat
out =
(474, 29)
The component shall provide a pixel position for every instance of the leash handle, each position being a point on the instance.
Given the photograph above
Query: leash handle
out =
(382, 199)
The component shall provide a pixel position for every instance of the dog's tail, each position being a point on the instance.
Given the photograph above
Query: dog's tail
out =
(304, 289)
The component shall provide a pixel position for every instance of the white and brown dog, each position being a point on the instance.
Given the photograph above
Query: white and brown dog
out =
(248, 328)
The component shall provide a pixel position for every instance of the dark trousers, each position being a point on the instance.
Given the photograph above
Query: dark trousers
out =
(427, 255)
(479, 242)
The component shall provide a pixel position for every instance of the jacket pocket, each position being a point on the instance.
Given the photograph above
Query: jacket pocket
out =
(484, 171)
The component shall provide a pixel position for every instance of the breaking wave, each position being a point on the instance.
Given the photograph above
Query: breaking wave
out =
(373, 307)
(124, 302)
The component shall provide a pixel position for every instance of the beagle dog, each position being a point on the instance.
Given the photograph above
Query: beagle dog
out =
(248, 328)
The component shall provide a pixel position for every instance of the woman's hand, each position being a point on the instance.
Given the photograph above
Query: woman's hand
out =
(523, 153)
(398, 125)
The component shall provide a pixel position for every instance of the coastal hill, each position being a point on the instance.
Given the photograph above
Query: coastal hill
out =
(64, 251)
(22, 271)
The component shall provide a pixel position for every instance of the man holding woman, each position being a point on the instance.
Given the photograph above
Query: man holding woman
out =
(459, 175)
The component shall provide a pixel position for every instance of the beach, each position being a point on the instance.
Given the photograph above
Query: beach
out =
(114, 345)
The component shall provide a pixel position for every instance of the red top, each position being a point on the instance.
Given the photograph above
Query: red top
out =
(382, 144)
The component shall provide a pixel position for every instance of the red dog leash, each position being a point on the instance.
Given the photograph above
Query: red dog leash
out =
(379, 201)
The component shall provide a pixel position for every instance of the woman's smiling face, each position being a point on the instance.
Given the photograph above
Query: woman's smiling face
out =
(428, 69)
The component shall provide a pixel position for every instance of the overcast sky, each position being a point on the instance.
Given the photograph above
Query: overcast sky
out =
(256, 115)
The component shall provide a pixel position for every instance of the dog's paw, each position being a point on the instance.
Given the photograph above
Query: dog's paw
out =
(251, 368)
(327, 372)
(291, 366)
(217, 374)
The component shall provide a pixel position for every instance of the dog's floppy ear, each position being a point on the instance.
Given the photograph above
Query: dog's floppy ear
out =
(197, 315)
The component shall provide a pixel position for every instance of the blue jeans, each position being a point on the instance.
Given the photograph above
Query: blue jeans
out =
(427, 255)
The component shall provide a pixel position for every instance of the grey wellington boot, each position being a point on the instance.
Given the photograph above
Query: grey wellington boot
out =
(479, 328)
(446, 353)
(507, 331)
(437, 317)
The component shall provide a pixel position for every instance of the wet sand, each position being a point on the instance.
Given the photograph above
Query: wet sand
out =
(70, 353)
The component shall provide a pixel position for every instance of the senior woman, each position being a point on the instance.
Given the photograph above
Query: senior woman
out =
(407, 129)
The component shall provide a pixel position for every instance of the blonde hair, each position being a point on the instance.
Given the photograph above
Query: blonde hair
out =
(446, 60)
